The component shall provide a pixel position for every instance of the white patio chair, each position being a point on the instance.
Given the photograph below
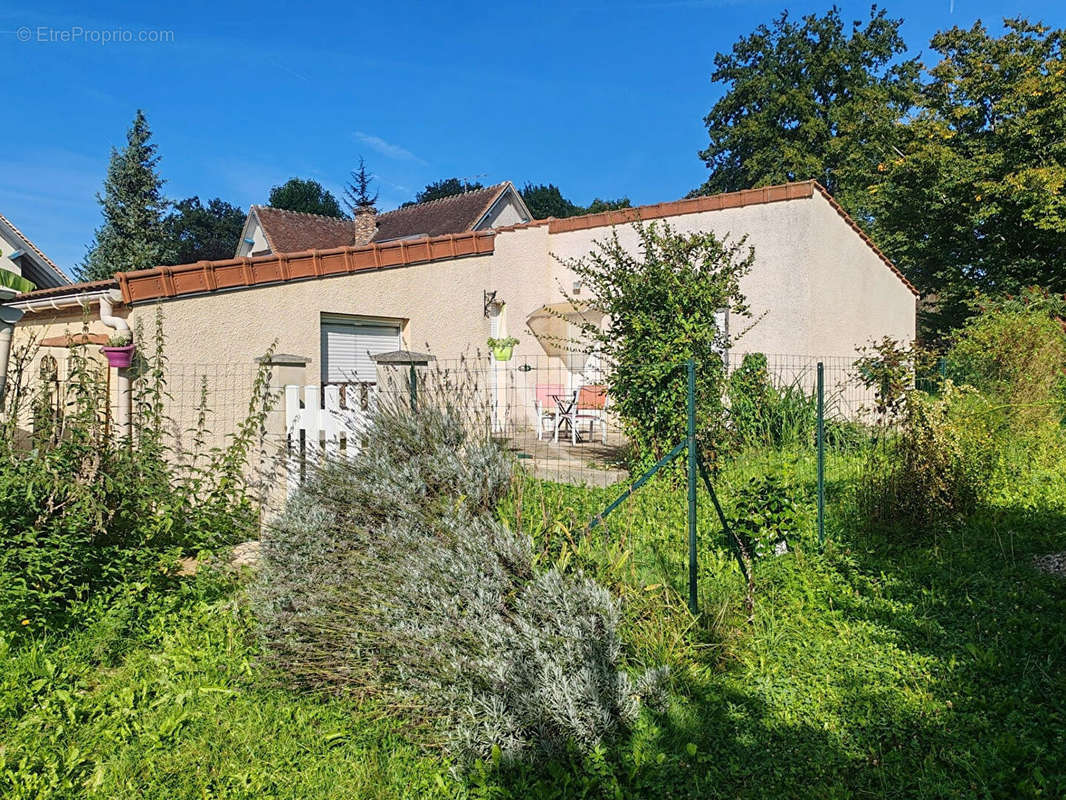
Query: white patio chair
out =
(547, 410)
(591, 408)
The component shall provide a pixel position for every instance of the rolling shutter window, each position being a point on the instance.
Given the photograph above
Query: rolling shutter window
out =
(348, 346)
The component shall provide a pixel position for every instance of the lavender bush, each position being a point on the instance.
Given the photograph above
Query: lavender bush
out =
(389, 575)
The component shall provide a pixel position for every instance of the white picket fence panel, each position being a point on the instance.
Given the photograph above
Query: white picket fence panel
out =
(315, 428)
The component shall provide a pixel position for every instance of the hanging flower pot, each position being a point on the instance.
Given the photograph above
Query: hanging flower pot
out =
(503, 349)
(119, 351)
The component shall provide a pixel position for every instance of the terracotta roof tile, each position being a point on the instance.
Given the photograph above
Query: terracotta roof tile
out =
(295, 231)
(238, 273)
(208, 276)
(454, 214)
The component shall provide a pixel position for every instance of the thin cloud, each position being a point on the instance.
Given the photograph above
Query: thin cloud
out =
(387, 149)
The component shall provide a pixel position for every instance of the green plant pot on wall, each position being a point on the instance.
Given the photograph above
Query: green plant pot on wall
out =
(503, 349)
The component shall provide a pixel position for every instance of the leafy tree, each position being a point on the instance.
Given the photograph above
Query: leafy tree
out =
(546, 200)
(444, 188)
(357, 193)
(598, 205)
(131, 236)
(809, 99)
(660, 302)
(976, 197)
(195, 232)
(307, 195)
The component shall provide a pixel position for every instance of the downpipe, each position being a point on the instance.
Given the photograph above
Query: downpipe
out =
(8, 317)
(124, 385)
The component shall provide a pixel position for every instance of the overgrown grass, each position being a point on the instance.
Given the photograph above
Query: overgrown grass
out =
(183, 711)
(883, 667)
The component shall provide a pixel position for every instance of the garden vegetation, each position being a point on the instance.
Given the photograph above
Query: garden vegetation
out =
(427, 621)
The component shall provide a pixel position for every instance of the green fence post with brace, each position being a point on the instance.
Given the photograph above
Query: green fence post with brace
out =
(693, 603)
(820, 440)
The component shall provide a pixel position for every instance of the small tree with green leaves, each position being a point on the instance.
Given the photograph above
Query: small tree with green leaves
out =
(195, 231)
(660, 301)
(446, 187)
(132, 236)
(306, 195)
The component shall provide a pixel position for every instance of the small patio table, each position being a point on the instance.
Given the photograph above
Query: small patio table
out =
(564, 404)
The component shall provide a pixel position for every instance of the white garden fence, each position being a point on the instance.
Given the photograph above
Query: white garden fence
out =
(317, 425)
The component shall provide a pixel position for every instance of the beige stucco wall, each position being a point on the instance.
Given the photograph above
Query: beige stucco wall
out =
(818, 288)
(815, 289)
(855, 297)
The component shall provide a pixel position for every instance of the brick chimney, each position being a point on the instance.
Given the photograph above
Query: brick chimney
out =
(366, 224)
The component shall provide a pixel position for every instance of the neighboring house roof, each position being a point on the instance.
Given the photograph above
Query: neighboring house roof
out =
(40, 269)
(161, 282)
(295, 231)
(455, 214)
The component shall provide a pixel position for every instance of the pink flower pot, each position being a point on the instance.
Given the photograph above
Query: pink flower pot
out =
(119, 357)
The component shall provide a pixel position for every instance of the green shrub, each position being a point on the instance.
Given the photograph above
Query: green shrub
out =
(388, 574)
(1016, 355)
(933, 469)
(661, 305)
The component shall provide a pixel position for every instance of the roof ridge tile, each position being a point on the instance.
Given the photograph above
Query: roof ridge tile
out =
(448, 198)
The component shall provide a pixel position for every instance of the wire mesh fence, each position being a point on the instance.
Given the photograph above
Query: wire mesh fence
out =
(199, 406)
(558, 415)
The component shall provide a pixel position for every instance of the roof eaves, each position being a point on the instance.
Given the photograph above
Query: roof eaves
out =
(240, 273)
(68, 290)
(40, 254)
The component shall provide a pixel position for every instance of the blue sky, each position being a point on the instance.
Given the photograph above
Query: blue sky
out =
(600, 98)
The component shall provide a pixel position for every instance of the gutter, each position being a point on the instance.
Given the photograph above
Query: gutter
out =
(13, 309)
(80, 300)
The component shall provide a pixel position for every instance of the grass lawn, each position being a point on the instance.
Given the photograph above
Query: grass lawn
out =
(891, 665)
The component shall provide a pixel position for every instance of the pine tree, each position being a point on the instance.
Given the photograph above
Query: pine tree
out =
(357, 193)
(133, 205)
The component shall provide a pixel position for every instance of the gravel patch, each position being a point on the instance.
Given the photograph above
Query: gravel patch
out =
(1055, 563)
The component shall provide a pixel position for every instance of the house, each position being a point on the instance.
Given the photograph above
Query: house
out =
(23, 267)
(818, 288)
(273, 230)
(22, 258)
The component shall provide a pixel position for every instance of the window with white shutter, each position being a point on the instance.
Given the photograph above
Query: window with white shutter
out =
(349, 343)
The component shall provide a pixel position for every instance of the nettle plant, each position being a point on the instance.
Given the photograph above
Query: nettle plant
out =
(766, 516)
(84, 510)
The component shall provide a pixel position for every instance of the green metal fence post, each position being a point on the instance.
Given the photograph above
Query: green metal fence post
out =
(414, 388)
(693, 604)
(820, 434)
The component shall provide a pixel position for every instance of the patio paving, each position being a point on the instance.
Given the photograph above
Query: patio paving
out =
(588, 463)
